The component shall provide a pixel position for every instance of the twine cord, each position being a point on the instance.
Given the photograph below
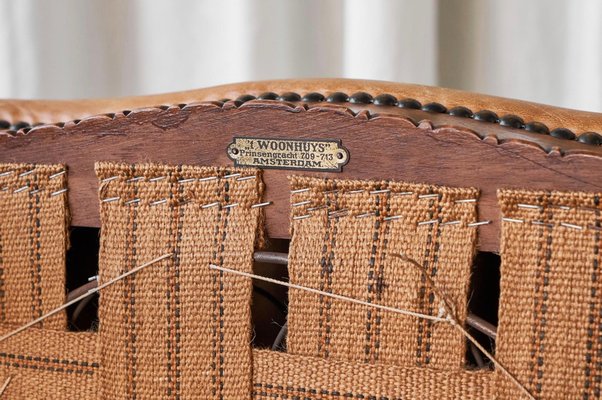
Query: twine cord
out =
(327, 294)
(5, 385)
(446, 311)
(78, 298)
(447, 305)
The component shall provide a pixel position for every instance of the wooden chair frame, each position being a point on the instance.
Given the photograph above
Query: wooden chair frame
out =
(392, 131)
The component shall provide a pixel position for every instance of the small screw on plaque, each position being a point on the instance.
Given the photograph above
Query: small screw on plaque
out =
(233, 151)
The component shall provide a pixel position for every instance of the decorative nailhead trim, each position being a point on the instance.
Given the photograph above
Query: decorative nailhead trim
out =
(20, 125)
(384, 99)
(461, 111)
(486, 116)
(590, 138)
(361, 98)
(563, 133)
(245, 97)
(337, 97)
(289, 96)
(434, 107)
(5, 125)
(512, 121)
(313, 97)
(409, 103)
(267, 96)
(537, 127)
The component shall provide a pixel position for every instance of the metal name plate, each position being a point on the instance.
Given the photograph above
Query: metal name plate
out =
(306, 154)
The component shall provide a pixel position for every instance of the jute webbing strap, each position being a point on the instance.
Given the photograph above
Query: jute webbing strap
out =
(33, 240)
(344, 235)
(177, 329)
(46, 364)
(550, 318)
(285, 376)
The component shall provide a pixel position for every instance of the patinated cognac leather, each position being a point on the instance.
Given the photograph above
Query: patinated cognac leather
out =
(52, 111)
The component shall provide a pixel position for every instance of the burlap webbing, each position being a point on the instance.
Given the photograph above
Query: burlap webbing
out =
(350, 253)
(550, 318)
(46, 364)
(177, 329)
(33, 240)
(285, 376)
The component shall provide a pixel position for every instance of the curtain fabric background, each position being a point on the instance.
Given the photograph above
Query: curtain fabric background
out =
(547, 51)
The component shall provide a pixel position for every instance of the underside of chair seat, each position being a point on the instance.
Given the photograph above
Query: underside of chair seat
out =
(407, 212)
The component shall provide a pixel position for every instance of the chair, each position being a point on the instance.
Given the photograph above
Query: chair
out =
(398, 203)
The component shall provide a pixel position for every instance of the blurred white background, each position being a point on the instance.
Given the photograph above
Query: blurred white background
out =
(547, 51)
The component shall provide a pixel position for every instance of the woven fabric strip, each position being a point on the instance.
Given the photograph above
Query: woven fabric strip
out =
(177, 329)
(33, 240)
(285, 376)
(46, 364)
(344, 236)
(550, 318)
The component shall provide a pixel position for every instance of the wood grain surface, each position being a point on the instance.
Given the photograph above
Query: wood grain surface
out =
(384, 143)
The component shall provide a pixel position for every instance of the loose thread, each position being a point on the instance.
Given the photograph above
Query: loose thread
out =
(3, 388)
(447, 308)
(78, 298)
(454, 321)
(327, 294)
(495, 362)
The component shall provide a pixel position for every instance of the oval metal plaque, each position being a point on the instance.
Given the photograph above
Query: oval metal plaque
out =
(306, 154)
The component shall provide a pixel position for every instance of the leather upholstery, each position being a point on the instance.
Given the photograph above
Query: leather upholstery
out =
(51, 111)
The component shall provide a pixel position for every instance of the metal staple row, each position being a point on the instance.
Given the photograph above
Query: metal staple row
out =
(24, 188)
(561, 207)
(550, 225)
(164, 201)
(345, 212)
(31, 171)
(380, 191)
(237, 175)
